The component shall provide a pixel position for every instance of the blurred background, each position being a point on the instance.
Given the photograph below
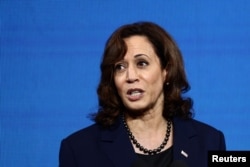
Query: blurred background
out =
(50, 51)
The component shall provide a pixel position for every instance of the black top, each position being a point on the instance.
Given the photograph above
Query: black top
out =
(162, 159)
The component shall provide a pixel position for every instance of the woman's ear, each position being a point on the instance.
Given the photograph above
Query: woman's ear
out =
(165, 75)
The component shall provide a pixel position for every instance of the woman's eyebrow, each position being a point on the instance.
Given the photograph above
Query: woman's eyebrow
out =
(141, 55)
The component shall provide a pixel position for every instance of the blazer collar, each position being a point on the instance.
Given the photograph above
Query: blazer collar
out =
(117, 146)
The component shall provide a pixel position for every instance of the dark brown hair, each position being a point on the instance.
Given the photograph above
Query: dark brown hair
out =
(110, 104)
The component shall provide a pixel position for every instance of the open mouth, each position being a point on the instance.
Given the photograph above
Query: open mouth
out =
(134, 94)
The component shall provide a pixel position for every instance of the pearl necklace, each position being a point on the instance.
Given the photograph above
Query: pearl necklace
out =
(145, 150)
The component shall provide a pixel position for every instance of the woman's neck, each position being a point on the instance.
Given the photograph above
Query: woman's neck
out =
(149, 130)
(146, 121)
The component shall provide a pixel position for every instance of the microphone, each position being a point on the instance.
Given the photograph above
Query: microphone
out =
(178, 163)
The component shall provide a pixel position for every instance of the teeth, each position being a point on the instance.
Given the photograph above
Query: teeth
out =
(135, 93)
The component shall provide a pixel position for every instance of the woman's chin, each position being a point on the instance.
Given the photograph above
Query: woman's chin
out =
(136, 110)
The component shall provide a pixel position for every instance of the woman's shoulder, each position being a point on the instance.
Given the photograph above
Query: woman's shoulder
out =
(85, 134)
(201, 124)
(198, 126)
(206, 133)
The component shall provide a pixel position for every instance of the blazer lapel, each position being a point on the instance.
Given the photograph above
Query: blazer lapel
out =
(185, 137)
(117, 146)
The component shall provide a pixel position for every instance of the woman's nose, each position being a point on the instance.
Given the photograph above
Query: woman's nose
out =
(132, 75)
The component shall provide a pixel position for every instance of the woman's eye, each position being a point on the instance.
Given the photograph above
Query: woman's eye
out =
(142, 63)
(119, 67)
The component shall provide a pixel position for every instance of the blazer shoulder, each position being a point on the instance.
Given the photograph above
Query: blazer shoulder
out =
(84, 148)
(204, 127)
(209, 134)
(85, 134)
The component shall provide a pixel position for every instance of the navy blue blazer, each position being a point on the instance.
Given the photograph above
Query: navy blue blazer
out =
(97, 147)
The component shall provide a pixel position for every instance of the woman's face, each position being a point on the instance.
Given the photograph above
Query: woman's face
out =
(139, 77)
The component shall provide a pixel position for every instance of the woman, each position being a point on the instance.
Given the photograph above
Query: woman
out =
(143, 119)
